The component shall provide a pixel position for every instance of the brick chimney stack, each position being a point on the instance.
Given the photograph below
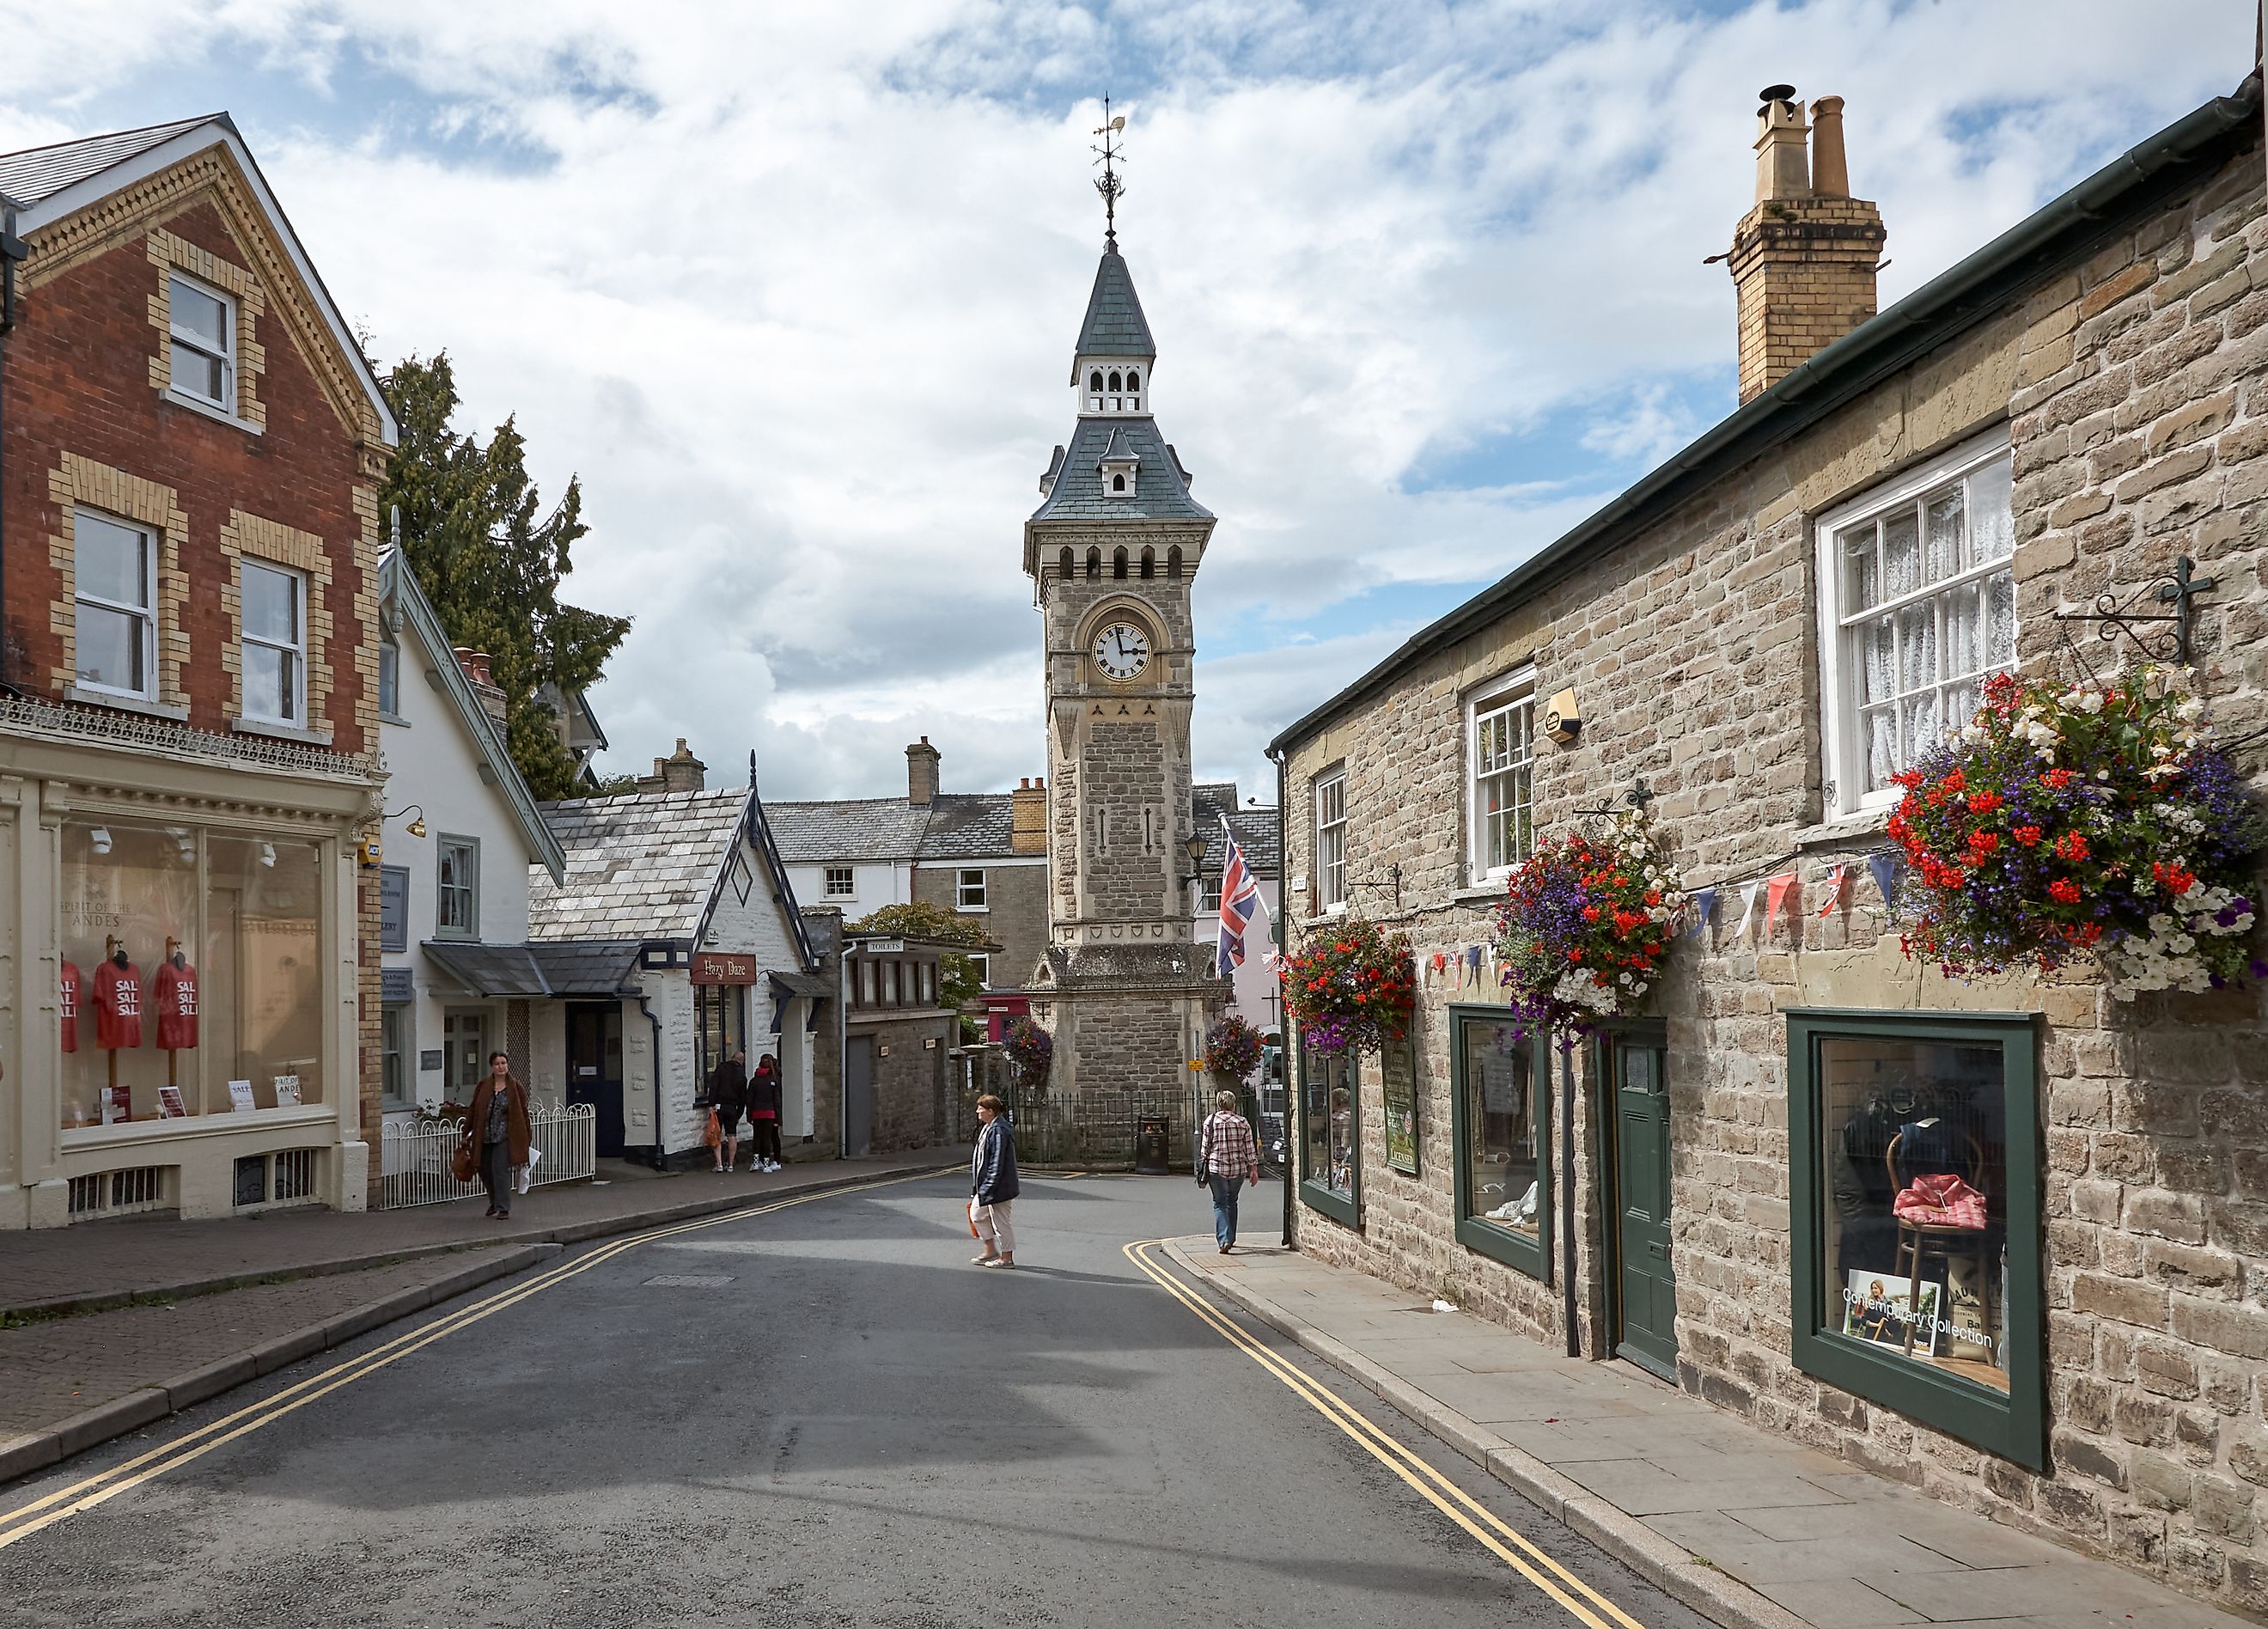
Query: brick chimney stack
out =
(475, 664)
(1803, 259)
(1027, 830)
(681, 771)
(921, 773)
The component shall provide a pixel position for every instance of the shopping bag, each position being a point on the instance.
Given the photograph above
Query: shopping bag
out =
(972, 1219)
(1941, 1201)
(527, 1171)
(713, 1133)
(464, 1164)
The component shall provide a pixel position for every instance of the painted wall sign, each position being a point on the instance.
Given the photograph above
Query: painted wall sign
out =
(715, 966)
(1398, 1090)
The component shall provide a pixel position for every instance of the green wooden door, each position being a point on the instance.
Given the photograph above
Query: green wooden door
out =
(1646, 1324)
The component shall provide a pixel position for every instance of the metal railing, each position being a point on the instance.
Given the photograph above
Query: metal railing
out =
(565, 1143)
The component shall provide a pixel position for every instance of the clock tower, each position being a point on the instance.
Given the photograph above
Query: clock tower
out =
(1126, 984)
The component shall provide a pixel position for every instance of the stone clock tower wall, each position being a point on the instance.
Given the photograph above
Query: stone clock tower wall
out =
(1123, 986)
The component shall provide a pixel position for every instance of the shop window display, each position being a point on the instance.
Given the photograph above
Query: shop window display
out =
(1332, 1122)
(1919, 1270)
(191, 980)
(1502, 1170)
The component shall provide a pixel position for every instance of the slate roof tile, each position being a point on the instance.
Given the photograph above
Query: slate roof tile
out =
(1161, 492)
(637, 868)
(37, 172)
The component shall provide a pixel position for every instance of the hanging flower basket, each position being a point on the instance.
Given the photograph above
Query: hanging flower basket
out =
(1354, 990)
(1585, 923)
(1232, 1048)
(2095, 819)
(1031, 1048)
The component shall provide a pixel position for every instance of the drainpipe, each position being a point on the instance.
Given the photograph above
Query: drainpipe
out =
(12, 249)
(1284, 1059)
(660, 1157)
(1567, 1191)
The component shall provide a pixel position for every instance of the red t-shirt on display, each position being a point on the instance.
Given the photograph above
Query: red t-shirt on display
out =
(175, 997)
(117, 1007)
(67, 1004)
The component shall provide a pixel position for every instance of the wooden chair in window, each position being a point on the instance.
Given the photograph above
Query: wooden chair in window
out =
(1918, 1240)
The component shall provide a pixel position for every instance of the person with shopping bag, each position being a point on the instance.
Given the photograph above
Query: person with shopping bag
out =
(764, 1115)
(992, 1184)
(728, 1100)
(1228, 1156)
(498, 1128)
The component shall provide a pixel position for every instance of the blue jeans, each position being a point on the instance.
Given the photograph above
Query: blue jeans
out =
(1224, 1190)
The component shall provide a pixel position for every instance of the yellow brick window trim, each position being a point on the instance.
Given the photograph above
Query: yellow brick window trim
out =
(169, 254)
(302, 551)
(365, 612)
(81, 483)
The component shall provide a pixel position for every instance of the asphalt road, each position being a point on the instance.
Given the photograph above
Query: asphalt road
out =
(820, 1415)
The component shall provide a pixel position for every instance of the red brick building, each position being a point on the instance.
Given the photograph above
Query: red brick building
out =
(191, 444)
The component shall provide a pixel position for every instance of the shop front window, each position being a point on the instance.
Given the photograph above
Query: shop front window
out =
(1331, 1157)
(264, 967)
(1917, 1194)
(720, 1010)
(1504, 1173)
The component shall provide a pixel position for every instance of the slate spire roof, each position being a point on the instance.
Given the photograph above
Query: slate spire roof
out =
(1115, 325)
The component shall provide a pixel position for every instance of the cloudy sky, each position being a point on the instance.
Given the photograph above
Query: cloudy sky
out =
(792, 287)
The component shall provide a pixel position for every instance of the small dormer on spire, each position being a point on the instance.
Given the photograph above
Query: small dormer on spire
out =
(1120, 465)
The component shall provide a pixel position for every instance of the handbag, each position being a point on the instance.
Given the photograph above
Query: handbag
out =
(712, 1133)
(1941, 1201)
(464, 1164)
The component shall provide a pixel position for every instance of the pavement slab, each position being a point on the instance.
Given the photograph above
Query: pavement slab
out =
(1744, 1525)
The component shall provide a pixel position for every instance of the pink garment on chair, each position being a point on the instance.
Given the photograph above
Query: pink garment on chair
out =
(1940, 1202)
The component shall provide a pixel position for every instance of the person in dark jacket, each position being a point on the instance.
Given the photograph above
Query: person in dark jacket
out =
(992, 1184)
(764, 1115)
(728, 1096)
(497, 1126)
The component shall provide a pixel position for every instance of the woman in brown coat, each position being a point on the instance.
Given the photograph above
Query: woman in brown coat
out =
(496, 1125)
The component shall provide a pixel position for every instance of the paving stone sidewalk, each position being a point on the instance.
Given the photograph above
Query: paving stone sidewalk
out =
(1738, 1523)
(61, 1367)
(104, 1264)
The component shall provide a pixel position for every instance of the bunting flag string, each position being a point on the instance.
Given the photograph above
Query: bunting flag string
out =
(1748, 892)
(1837, 879)
(1776, 892)
(1704, 903)
(1887, 866)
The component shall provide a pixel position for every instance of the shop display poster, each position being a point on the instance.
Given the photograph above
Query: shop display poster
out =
(287, 1091)
(117, 1104)
(171, 1105)
(1399, 1096)
(1878, 1309)
(239, 1096)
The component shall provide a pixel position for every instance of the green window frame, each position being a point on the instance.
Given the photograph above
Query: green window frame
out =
(1474, 1231)
(2012, 1426)
(1319, 1078)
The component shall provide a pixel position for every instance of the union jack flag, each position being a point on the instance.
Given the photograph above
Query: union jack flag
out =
(1241, 906)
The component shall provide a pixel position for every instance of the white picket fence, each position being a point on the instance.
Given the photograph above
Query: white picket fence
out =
(416, 1154)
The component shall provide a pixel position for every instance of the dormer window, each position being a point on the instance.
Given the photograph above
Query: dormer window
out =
(1106, 388)
(1119, 467)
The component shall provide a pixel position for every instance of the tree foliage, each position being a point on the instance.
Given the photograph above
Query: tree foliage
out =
(957, 982)
(490, 558)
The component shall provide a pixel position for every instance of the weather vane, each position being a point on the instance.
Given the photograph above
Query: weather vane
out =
(1109, 183)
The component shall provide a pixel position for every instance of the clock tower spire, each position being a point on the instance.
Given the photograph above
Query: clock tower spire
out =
(1125, 985)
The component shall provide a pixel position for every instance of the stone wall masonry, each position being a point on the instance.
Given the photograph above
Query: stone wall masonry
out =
(2132, 390)
(909, 1082)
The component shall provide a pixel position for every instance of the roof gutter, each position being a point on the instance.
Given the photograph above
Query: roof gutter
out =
(1947, 304)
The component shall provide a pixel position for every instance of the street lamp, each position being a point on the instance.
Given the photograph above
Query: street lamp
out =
(1194, 845)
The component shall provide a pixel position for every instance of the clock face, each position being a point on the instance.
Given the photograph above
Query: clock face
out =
(1122, 651)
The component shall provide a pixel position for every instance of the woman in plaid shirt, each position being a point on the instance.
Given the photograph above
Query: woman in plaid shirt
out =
(1227, 1158)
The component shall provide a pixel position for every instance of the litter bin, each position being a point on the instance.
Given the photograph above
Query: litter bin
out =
(1151, 1142)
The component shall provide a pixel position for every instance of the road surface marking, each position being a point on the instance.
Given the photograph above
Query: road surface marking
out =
(1436, 1489)
(59, 1506)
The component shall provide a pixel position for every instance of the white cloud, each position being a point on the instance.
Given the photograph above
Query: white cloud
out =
(793, 286)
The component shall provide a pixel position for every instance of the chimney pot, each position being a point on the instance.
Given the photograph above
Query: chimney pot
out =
(490, 694)
(1830, 172)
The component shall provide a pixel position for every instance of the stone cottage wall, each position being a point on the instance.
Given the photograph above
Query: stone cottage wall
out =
(2133, 388)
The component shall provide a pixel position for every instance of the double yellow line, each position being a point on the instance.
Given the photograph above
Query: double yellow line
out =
(1505, 1543)
(65, 1503)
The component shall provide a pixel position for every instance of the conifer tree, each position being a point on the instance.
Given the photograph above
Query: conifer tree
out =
(490, 559)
